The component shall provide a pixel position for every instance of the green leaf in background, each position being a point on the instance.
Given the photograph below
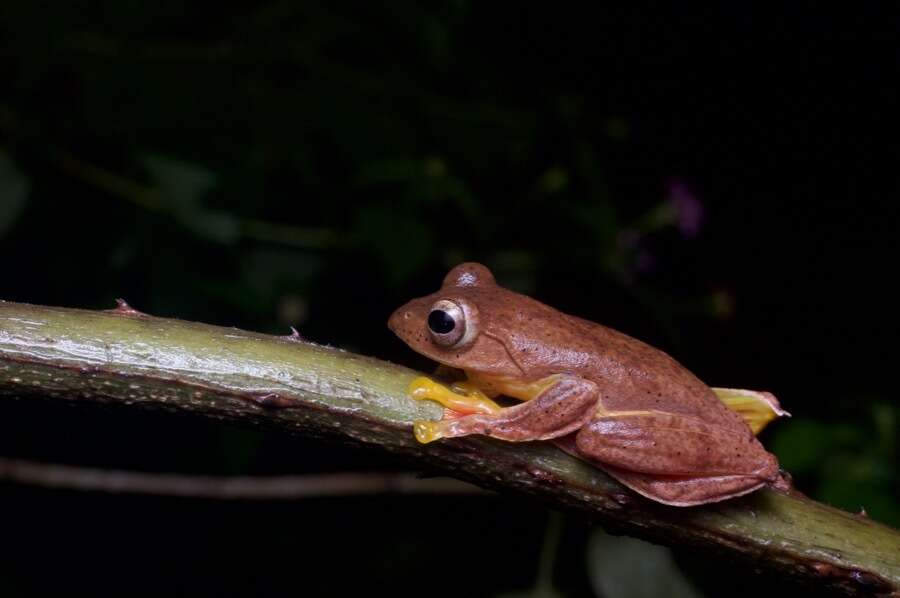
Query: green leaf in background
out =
(216, 226)
(622, 567)
(13, 192)
(183, 187)
(546, 565)
(183, 184)
(801, 444)
(848, 465)
(400, 242)
(860, 496)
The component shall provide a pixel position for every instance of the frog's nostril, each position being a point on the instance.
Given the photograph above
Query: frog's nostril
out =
(399, 320)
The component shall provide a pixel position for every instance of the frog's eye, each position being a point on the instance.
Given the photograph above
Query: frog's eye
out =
(447, 323)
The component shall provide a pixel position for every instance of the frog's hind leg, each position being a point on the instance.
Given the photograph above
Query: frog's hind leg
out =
(562, 408)
(676, 459)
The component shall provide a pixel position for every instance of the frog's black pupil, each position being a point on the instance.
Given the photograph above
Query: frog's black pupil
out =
(440, 321)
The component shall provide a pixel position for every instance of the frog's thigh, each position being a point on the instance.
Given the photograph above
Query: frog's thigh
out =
(562, 408)
(675, 459)
(667, 444)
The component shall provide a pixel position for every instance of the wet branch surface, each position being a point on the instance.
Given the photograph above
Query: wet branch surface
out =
(124, 357)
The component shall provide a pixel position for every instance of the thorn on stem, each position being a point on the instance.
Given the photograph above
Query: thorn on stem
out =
(122, 308)
(294, 336)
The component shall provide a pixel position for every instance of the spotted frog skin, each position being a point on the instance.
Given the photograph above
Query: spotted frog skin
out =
(615, 401)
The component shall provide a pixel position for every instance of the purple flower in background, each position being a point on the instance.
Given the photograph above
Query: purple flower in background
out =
(637, 258)
(687, 207)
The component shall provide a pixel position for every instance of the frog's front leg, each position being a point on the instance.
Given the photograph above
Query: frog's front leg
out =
(563, 405)
(676, 459)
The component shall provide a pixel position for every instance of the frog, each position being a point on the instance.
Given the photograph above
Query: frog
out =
(612, 400)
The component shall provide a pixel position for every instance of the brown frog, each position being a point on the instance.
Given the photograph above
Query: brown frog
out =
(615, 401)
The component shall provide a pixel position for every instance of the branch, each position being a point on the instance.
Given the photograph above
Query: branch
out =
(124, 357)
(283, 487)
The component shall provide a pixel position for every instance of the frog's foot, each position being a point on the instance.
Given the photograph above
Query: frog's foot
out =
(563, 408)
(756, 408)
(462, 397)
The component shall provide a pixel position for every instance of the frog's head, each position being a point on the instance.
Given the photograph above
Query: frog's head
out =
(460, 325)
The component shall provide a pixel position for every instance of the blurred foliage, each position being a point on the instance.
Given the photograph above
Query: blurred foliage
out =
(850, 463)
(631, 568)
(317, 164)
(13, 193)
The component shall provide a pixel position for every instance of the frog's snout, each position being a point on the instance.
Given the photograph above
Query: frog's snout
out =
(404, 323)
(397, 319)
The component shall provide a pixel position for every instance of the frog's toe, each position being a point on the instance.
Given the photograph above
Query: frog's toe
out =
(756, 408)
(427, 431)
(424, 388)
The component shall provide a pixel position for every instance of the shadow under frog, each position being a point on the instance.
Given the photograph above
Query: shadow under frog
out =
(617, 402)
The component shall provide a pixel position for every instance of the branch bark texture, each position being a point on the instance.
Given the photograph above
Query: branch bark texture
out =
(124, 357)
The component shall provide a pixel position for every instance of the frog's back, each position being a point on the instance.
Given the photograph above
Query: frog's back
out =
(632, 375)
(646, 378)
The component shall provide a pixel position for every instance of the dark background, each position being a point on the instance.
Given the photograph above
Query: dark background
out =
(717, 181)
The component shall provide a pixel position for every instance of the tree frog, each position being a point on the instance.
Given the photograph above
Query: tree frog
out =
(622, 405)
